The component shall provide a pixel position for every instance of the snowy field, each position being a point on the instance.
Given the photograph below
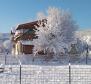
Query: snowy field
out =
(36, 74)
(28, 60)
(39, 72)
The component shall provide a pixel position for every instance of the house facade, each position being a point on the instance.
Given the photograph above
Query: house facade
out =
(23, 36)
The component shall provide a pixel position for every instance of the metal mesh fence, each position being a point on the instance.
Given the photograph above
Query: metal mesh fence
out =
(81, 74)
(8, 59)
(9, 75)
(46, 75)
(36, 74)
(12, 73)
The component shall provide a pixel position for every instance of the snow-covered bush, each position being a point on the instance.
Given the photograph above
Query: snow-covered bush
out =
(1, 48)
(85, 39)
(7, 45)
(58, 32)
(80, 45)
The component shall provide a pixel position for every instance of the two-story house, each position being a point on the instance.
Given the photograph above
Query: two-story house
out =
(23, 36)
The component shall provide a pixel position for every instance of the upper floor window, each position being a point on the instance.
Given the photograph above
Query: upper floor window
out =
(30, 31)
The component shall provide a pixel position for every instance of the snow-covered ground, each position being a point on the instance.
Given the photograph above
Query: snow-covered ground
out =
(28, 59)
(42, 72)
(36, 74)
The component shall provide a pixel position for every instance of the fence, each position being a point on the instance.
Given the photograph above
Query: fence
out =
(8, 59)
(13, 73)
(36, 74)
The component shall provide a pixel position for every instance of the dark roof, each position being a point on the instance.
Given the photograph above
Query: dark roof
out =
(29, 25)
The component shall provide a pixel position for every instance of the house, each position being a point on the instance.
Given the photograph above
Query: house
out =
(23, 36)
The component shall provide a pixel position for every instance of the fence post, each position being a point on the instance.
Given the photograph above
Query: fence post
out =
(20, 73)
(69, 73)
(87, 54)
(5, 58)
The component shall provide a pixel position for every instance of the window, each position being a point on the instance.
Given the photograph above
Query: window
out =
(30, 31)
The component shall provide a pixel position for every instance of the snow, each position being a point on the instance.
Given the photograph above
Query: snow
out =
(57, 33)
(37, 74)
(85, 37)
(17, 32)
(4, 40)
(43, 72)
(27, 42)
(41, 60)
(56, 37)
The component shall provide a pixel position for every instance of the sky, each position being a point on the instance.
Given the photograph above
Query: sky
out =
(14, 12)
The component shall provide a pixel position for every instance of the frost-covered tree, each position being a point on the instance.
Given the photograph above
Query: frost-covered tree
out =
(57, 33)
